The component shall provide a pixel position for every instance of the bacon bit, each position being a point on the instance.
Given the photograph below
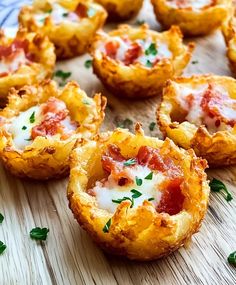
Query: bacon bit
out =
(172, 198)
(4, 74)
(16, 45)
(81, 10)
(111, 49)
(132, 53)
(190, 100)
(54, 112)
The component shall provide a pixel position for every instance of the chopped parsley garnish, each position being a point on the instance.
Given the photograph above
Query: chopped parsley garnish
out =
(39, 233)
(65, 14)
(232, 258)
(151, 50)
(118, 201)
(2, 247)
(1, 218)
(194, 61)
(125, 124)
(24, 128)
(91, 12)
(86, 102)
(151, 199)
(148, 63)
(32, 118)
(107, 226)
(136, 193)
(218, 186)
(139, 181)
(152, 126)
(130, 161)
(49, 11)
(88, 63)
(28, 140)
(62, 74)
(149, 176)
(140, 22)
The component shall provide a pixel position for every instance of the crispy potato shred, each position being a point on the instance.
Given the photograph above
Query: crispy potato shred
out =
(70, 25)
(214, 136)
(48, 156)
(139, 233)
(39, 60)
(193, 20)
(134, 79)
(121, 9)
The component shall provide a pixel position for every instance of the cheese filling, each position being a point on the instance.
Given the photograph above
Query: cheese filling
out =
(22, 125)
(145, 52)
(109, 192)
(221, 115)
(194, 4)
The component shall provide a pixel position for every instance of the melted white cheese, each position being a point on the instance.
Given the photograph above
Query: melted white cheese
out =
(109, 191)
(11, 65)
(194, 4)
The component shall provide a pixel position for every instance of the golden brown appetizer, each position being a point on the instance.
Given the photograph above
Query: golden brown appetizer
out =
(41, 124)
(137, 196)
(200, 112)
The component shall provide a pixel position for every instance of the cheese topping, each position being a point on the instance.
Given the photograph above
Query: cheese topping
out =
(108, 191)
(145, 52)
(208, 105)
(36, 122)
(194, 4)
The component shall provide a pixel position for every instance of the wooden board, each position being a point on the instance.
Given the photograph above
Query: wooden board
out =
(69, 256)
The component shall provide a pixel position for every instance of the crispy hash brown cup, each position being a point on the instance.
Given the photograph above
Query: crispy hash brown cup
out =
(121, 9)
(26, 59)
(199, 112)
(137, 196)
(41, 124)
(70, 25)
(193, 17)
(136, 62)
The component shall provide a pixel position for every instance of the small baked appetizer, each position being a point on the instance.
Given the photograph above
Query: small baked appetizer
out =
(121, 9)
(136, 62)
(194, 17)
(137, 196)
(200, 112)
(26, 59)
(70, 24)
(40, 125)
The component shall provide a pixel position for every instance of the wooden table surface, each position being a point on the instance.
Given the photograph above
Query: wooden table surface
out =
(69, 256)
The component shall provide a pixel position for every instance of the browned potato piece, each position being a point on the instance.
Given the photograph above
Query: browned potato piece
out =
(200, 112)
(121, 9)
(70, 25)
(41, 124)
(135, 62)
(26, 59)
(137, 227)
(193, 17)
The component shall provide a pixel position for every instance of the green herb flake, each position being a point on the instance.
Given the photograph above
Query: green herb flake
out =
(107, 226)
(218, 186)
(148, 63)
(86, 102)
(24, 128)
(118, 201)
(152, 126)
(125, 124)
(32, 118)
(151, 199)
(39, 233)
(2, 247)
(139, 22)
(232, 258)
(91, 12)
(130, 161)
(151, 50)
(136, 193)
(194, 61)
(139, 181)
(49, 11)
(88, 63)
(1, 218)
(149, 176)
(65, 14)
(28, 140)
(62, 74)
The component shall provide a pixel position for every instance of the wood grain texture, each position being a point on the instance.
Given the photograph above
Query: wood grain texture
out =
(69, 256)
